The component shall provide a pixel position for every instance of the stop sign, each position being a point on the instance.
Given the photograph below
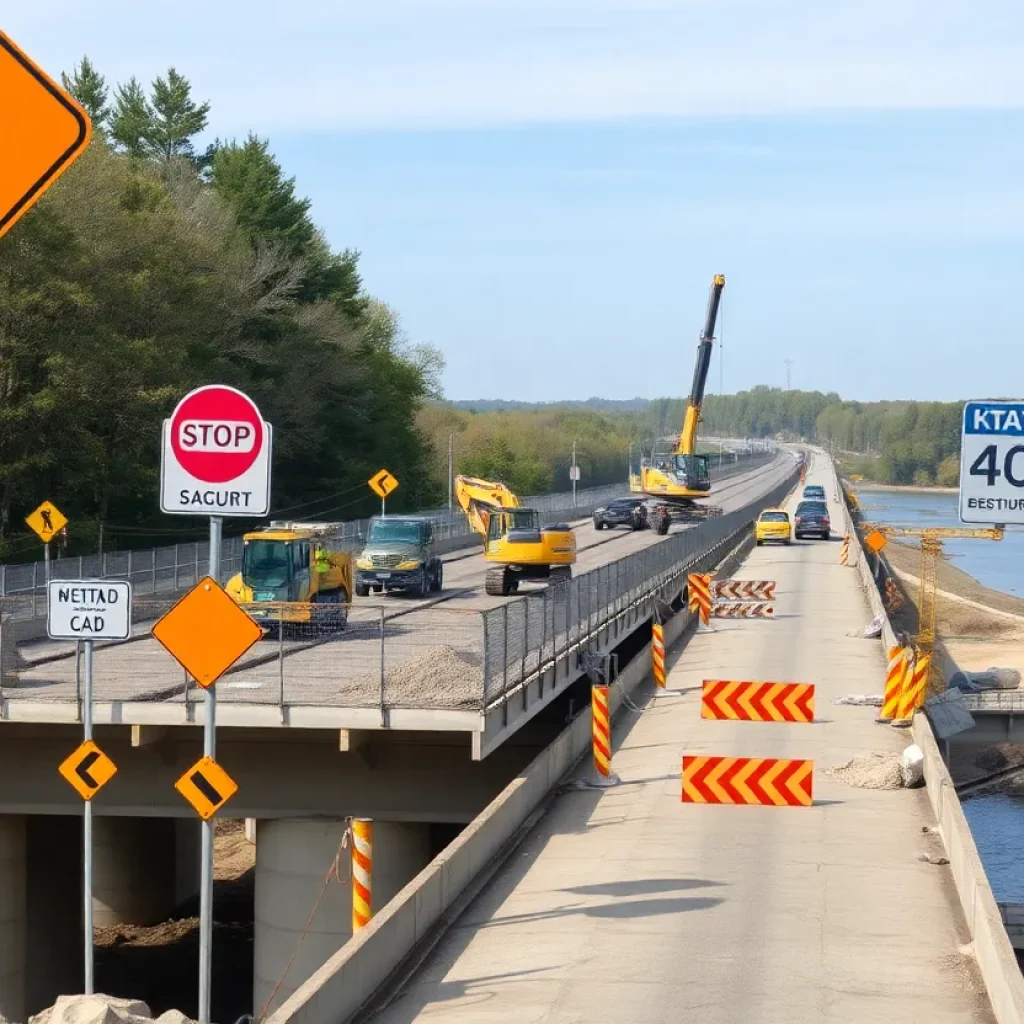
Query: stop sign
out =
(216, 455)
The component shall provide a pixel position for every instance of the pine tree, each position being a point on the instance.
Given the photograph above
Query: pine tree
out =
(176, 117)
(89, 87)
(131, 122)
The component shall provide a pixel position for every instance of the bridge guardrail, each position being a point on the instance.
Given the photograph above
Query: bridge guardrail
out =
(440, 658)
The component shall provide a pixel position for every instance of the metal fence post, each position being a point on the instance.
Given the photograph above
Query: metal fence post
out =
(154, 571)
(197, 562)
(35, 585)
(280, 660)
(383, 716)
(526, 638)
(504, 657)
(129, 565)
(486, 660)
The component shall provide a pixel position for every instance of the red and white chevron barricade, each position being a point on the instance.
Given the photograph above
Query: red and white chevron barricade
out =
(743, 610)
(743, 590)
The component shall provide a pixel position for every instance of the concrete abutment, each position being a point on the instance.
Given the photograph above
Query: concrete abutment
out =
(292, 861)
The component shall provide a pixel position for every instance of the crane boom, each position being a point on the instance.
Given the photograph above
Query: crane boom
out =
(688, 437)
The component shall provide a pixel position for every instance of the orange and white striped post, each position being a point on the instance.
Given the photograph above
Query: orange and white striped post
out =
(699, 591)
(658, 653)
(602, 736)
(898, 658)
(844, 551)
(362, 872)
(915, 682)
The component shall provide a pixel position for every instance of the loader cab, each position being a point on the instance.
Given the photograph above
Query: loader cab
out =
(276, 569)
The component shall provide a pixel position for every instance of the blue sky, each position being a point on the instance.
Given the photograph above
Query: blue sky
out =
(544, 188)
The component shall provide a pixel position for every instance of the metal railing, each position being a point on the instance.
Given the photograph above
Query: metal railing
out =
(391, 653)
(176, 567)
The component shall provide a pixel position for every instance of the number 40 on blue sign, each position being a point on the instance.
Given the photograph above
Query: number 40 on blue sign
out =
(992, 463)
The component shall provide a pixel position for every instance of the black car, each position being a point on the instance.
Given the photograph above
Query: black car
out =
(812, 518)
(631, 512)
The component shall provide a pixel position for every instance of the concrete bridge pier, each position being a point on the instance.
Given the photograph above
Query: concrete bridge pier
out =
(135, 878)
(292, 861)
(13, 915)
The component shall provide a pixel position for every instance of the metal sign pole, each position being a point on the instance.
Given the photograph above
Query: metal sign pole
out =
(46, 562)
(87, 829)
(382, 503)
(209, 750)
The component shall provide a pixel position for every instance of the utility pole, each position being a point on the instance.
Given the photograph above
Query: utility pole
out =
(451, 466)
(789, 376)
(572, 474)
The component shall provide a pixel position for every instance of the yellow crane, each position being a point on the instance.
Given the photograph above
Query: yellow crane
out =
(931, 539)
(674, 475)
(516, 544)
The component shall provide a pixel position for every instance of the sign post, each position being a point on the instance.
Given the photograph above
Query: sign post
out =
(88, 610)
(992, 463)
(215, 461)
(382, 484)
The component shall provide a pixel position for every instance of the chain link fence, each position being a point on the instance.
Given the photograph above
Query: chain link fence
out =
(174, 568)
(459, 651)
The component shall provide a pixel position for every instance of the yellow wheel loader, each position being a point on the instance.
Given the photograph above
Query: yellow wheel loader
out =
(295, 577)
(674, 475)
(516, 544)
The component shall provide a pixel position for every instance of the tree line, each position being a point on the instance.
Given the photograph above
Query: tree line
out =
(530, 445)
(152, 267)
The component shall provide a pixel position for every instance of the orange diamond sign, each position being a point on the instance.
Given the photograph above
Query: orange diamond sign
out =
(876, 540)
(206, 632)
(42, 132)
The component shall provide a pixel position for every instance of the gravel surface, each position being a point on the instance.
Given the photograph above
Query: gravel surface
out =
(870, 771)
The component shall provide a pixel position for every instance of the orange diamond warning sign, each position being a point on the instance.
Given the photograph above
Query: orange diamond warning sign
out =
(42, 132)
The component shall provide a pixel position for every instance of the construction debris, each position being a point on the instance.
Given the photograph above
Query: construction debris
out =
(871, 771)
(101, 1009)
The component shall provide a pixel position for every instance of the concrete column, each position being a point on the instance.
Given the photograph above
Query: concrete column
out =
(54, 950)
(134, 878)
(13, 913)
(292, 860)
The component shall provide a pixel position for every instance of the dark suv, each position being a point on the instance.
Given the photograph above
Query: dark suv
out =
(812, 518)
(631, 512)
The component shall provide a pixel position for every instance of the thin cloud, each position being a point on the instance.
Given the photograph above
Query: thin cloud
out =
(423, 64)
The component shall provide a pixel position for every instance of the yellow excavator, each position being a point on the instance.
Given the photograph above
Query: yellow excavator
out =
(514, 540)
(674, 475)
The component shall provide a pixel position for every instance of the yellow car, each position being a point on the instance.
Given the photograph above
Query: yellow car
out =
(773, 524)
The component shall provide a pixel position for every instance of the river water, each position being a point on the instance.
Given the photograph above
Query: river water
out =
(997, 821)
(999, 566)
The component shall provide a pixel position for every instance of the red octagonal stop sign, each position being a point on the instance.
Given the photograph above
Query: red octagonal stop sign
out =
(217, 433)
(216, 455)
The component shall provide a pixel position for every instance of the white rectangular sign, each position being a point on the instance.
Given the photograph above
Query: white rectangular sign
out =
(89, 610)
(184, 493)
(992, 463)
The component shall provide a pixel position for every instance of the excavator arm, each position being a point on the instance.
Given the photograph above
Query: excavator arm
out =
(479, 498)
(688, 437)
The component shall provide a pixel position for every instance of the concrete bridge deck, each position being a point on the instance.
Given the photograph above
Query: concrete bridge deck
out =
(627, 905)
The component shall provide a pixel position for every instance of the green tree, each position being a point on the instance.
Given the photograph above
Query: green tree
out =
(176, 117)
(131, 119)
(89, 87)
(251, 180)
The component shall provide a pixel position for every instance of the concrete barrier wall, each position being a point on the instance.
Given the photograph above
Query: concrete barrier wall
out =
(992, 948)
(336, 991)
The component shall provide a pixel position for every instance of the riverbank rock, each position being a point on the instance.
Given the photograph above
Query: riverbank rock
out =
(101, 1009)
